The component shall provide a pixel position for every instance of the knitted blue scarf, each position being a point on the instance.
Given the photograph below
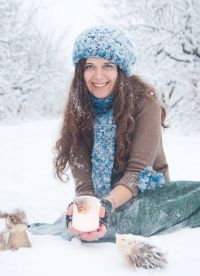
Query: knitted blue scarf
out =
(103, 152)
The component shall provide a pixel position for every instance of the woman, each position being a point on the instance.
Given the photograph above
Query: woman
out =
(112, 141)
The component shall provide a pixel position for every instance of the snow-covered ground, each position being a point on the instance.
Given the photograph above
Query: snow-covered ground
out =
(27, 181)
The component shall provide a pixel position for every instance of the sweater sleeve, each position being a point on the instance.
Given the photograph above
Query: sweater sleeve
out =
(81, 168)
(145, 144)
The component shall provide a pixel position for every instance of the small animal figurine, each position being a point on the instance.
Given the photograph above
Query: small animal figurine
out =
(138, 253)
(2, 241)
(15, 236)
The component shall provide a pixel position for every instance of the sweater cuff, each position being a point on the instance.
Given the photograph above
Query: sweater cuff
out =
(130, 181)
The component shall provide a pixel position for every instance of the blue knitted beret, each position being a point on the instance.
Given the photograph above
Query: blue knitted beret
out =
(105, 42)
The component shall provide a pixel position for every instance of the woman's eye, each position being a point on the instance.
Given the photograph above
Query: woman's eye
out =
(109, 66)
(88, 67)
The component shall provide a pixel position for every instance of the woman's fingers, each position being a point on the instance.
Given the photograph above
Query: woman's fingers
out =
(70, 210)
(102, 212)
(102, 228)
(88, 237)
(94, 235)
(73, 230)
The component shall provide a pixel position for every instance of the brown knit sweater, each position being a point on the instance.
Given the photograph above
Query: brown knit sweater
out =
(146, 150)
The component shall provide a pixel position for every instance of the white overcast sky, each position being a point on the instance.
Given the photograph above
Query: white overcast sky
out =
(56, 17)
(75, 15)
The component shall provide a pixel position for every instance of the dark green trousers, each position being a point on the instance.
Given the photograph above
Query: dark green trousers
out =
(174, 206)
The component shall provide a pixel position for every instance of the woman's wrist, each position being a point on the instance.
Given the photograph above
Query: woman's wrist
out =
(113, 201)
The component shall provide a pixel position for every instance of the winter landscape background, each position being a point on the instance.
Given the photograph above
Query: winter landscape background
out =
(36, 39)
(36, 43)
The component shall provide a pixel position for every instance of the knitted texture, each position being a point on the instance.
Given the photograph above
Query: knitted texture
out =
(105, 42)
(104, 145)
(149, 179)
(108, 210)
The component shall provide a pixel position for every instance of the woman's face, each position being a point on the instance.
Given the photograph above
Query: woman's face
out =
(100, 76)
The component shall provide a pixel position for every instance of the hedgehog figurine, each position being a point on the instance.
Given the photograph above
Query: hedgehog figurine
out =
(138, 253)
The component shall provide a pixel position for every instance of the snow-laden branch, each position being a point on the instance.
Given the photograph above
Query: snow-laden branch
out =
(32, 68)
(166, 38)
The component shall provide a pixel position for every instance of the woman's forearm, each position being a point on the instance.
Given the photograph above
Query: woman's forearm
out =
(119, 195)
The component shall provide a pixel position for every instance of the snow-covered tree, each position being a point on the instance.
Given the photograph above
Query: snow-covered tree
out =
(33, 73)
(166, 35)
(186, 115)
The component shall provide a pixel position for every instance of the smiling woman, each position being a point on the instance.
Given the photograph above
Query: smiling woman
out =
(112, 141)
(100, 77)
(111, 136)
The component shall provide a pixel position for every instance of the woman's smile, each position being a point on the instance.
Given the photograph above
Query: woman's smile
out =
(100, 85)
(100, 76)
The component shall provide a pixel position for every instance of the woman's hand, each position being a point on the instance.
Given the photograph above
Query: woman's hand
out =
(88, 236)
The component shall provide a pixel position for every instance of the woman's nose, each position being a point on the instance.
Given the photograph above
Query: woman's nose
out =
(98, 74)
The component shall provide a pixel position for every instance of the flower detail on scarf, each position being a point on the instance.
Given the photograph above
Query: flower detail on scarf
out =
(103, 152)
(150, 180)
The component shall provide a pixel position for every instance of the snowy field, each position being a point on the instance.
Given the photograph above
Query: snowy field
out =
(27, 181)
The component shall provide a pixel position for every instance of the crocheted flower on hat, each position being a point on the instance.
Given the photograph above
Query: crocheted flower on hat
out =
(105, 42)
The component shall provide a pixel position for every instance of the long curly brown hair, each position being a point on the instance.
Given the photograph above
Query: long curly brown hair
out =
(129, 96)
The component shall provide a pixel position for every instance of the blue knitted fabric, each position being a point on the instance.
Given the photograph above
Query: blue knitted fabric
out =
(150, 179)
(105, 42)
(104, 145)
